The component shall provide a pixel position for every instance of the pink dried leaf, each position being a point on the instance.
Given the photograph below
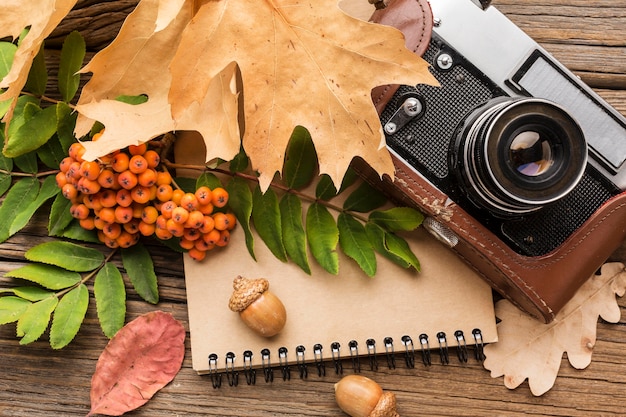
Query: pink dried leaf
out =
(143, 357)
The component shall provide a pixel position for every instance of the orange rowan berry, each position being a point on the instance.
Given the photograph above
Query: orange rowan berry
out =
(167, 208)
(139, 149)
(196, 255)
(164, 192)
(76, 151)
(107, 214)
(120, 162)
(149, 214)
(206, 208)
(180, 215)
(137, 164)
(162, 234)
(220, 197)
(108, 198)
(195, 220)
(99, 223)
(191, 234)
(163, 178)
(232, 221)
(221, 221)
(204, 195)
(127, 179)
(87, 186)
(208, 224)
(153, 158)
(123, 197)
(92, 201)
(74, 170)
(147, 178)
(140, 194)
(88, 223)
(111, 243)
(146, 229)
(97, 135)
(123, 214)
(161, 222)
(203, 246)
(79, 211)
(65, 163)
(126, 240)
(186, 244)
(61, 179)
(107, 178)
(189, 201)
(69, 191)
(224, 238)
(132, 226)
(176, 229)
(90, 170)
(212, 237)
(112, 230)
(137, 209)
(177, 195)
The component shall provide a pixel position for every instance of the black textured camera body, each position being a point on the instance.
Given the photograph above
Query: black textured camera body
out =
(427, 145)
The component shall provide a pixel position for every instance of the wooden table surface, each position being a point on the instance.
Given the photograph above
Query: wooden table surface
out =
(589, 36)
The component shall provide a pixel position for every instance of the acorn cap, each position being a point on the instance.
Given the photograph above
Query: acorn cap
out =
(386, 406)
(247, 291)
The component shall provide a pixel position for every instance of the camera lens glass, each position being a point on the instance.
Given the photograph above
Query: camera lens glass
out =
(514, 156)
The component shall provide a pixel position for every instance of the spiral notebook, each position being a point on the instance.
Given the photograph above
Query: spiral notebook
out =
(397, 315)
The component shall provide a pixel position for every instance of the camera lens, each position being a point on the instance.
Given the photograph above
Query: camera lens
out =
(514, 156)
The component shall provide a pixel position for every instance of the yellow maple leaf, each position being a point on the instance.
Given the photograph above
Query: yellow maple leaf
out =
(302, 62)
(40, 17)
(530, 349)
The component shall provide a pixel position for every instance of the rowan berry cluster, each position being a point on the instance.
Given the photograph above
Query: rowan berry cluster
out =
(124, 195)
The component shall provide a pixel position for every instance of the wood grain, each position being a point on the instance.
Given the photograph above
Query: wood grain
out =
(587, 35)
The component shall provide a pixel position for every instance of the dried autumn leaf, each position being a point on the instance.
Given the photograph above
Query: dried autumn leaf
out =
(143, 357)
(40, 17)
(302, 62)
(527, 348)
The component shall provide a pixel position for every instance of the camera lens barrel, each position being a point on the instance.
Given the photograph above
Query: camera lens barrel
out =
(515, 155)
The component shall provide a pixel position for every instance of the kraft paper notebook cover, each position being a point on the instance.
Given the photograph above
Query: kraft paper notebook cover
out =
(446, 296)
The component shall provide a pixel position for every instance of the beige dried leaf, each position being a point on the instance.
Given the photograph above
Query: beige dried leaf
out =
(530, 349)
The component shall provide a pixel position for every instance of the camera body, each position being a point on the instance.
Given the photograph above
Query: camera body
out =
(519, 166)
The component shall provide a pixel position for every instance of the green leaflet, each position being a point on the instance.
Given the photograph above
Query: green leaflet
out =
(365, 198)
(60, 216)
(240, 202)
(52, 153)
(22, 193)
(72, 55)
(12, 308)
(140, 270)
(355, 243)
(134, 100)
(66, 120)
(38, 74)
(391, 246)
(68, 316)
(34, 132)
(300, 159)
(34, 321)
(48, 190)
(48, 276)
(401, 248)
(208, 179)
(110, 295)
(323, 236)
(325, 188)
(66, 255)
(239, 163)
(31, 293)
(397, 218)
(267, 222)
(294, 236)
(75, 232)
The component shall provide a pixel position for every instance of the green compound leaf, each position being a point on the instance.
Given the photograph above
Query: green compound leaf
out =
(397, 218)
(72, 55)
(48, 190)
(48, 276)
(140, 269)
(60, 216)
(240, 202)
(355, 243)
(365, 198)
(66, 255)
(300, 159)
(12, 308)
(23, 192)
(294, 236)
(34, 321)
(33, 133)
(110, 294)
(267, 222)
(68, 316)
(323, 236)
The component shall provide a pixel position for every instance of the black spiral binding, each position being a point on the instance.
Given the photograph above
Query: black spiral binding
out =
(318, 360)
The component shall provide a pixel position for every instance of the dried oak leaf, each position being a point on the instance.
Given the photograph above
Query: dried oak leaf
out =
(528, 348)
(40, 17)
(143, 357)
(302, 62)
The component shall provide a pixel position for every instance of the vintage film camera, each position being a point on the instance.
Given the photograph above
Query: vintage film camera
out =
(519, 166)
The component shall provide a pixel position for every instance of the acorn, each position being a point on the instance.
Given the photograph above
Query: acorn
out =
(359, 396)
(260, 309)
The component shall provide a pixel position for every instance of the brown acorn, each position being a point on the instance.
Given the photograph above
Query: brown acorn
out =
(260, 309)
(359, 396)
